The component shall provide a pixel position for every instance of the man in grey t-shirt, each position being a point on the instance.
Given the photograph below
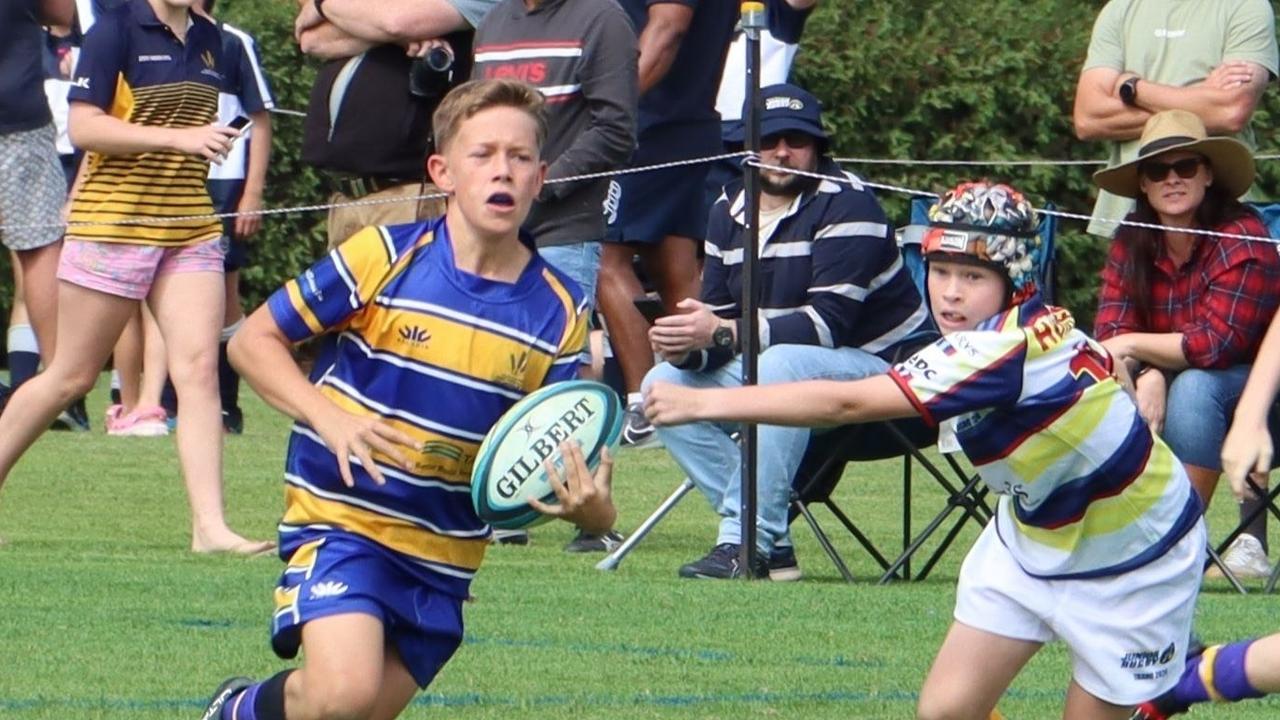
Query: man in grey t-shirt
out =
(1211, 57)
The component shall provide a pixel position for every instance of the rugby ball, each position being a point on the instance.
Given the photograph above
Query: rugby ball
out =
(509, 466)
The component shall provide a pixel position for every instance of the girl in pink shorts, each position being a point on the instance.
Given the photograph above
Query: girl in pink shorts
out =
(132, 238)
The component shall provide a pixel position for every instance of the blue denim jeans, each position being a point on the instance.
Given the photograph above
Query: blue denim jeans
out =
(580, 261)
(1198, 413)
(713, 461)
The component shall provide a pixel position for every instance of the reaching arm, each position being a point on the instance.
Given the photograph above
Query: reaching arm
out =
(1099, 114)
(660, 41)
(816, 403)
(1248, 445)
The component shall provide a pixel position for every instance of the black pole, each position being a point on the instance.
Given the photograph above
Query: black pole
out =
(753, 22)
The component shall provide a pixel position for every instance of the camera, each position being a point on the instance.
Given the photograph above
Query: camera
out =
(431, 75)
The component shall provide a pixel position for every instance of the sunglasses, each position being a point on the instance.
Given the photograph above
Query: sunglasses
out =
(1186, 169)
(794, 139)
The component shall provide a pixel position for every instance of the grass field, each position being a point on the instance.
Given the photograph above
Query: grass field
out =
(103, 614)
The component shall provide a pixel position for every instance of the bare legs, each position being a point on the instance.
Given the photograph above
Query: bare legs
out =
(188, 309)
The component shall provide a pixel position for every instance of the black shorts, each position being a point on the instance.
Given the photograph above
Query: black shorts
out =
(226, 198)
(646, 207)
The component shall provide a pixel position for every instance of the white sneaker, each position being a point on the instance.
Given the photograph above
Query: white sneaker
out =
(1245, 559)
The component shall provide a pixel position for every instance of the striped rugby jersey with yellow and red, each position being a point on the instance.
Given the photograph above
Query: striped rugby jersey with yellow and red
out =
(134, 68)
(435, 352)
(1086, 488)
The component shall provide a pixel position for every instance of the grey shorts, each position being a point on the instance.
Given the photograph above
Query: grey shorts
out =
(32, 189)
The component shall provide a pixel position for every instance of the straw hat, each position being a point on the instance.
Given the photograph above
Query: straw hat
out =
(1231, 159)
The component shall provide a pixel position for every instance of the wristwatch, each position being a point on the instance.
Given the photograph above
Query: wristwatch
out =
(1129, 91)
(723, 337)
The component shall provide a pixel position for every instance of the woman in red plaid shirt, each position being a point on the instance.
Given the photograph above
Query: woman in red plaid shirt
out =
(1187, 311)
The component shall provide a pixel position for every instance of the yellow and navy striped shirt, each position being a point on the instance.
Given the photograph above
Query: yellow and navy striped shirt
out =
(1086, 488)
(134, 68)
(437, 353)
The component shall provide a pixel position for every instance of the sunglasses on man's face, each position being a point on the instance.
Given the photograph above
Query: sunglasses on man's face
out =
(1186, 169)
(795, 139)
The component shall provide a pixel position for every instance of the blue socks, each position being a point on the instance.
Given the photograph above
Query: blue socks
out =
(1218, 674)
(262, 701)
(24, 355)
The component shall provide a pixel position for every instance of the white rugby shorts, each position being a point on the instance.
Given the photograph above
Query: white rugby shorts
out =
(1127, 633)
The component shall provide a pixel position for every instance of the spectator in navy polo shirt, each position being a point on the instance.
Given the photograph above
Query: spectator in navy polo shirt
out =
(32, 191)
(837, 303)
(143, 104)
(661, 215)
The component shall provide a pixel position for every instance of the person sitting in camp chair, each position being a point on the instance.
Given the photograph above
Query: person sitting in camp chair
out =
(837, 302)
(1097, 538)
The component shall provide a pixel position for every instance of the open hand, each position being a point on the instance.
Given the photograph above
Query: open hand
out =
(357, 437)
(586, 500)
(1230, 75)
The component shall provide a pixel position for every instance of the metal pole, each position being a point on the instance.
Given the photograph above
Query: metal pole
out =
(753, 22)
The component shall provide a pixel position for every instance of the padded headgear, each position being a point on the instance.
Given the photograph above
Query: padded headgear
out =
(993, 223)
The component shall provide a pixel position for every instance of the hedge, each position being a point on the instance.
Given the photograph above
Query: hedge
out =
(898, 79)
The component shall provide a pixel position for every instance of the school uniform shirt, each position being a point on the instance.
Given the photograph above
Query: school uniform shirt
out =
(133, 67)
(22, 105)
(1086, 488)
(245, 90)
(435, 352)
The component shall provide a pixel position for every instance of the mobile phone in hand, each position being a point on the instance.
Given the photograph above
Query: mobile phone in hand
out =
(240, 124)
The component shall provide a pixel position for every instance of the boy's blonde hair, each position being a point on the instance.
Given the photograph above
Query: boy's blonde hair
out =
(472, 97)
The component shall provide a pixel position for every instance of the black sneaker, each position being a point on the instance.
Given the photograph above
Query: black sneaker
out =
(637, 431)
(233, 421)
(585, 543)
(782, 564)
(722, 564)
(227, 690)
(509, 537)
(73, 419)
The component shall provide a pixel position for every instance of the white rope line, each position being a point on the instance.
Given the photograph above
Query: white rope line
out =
(1042, 211)
(357, 203)
(986, 163)
(286, 111)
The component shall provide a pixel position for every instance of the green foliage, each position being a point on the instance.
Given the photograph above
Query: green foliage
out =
(925, 79)
(287, 243)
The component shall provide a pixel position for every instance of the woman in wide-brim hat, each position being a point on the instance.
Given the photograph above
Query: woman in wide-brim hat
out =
(1188, 311)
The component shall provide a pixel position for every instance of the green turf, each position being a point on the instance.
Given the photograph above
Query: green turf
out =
(104, 614)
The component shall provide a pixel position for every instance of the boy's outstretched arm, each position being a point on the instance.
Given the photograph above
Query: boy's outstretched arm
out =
(814, 403)
(260, 352)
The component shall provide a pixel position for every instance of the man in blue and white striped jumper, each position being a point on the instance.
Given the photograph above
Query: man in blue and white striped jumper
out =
(836, 303)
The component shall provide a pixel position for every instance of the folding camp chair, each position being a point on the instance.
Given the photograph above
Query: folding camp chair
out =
(1270, 496)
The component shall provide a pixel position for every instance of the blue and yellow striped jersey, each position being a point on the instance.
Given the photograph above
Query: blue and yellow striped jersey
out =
(1086, 488)
(134, 68)
(436, 352)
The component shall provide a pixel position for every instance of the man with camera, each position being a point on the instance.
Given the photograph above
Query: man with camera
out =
(368, 123)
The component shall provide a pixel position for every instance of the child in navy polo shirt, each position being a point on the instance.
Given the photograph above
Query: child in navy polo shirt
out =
(142, 106)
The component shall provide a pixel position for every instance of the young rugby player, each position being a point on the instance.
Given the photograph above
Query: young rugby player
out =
(442, 326)
(1097, 539)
